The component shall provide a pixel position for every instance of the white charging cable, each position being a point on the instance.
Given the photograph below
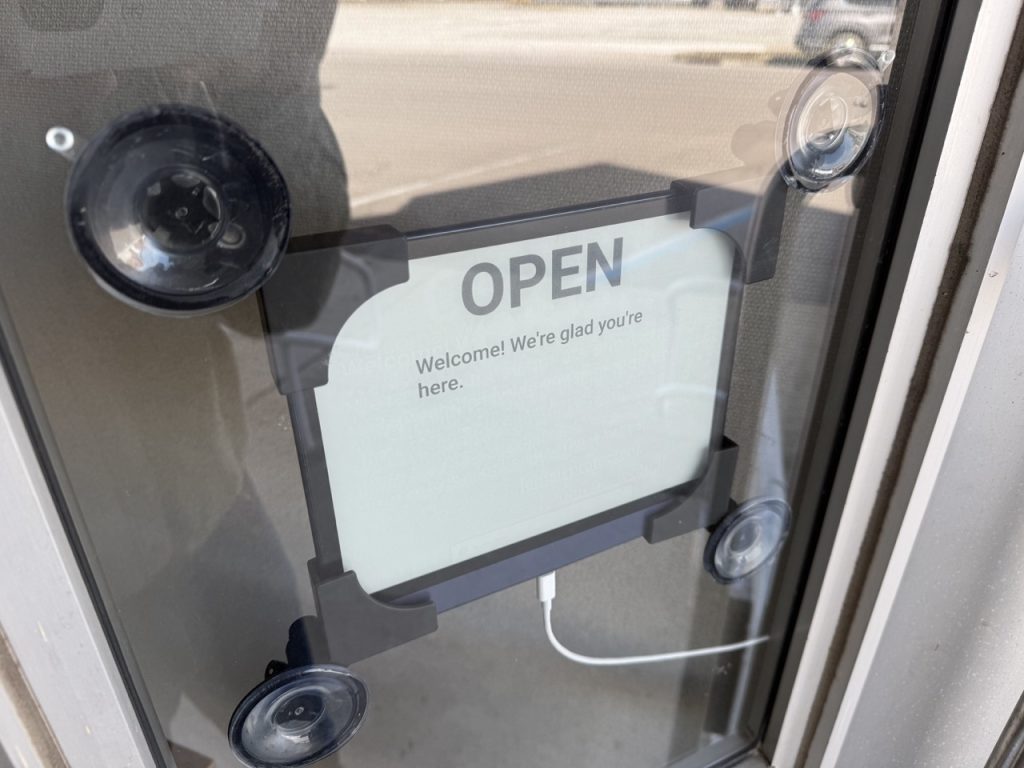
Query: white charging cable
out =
(546, 595)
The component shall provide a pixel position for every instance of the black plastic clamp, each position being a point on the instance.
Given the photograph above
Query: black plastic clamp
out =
(748, 210)
(702, 505)
(307, 302)
(357, 626)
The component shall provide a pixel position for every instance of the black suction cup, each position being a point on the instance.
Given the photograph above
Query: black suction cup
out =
(297, 717)
(178, 210)
(747, 539)
(833, 123)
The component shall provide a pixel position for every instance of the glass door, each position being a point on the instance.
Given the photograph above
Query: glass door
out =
(345, 329)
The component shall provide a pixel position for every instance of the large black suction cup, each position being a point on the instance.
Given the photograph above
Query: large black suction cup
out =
(177, 210)
(298, 717)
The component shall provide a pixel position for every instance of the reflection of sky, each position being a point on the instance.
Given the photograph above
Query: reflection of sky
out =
(634, 260)
(675, 294)
(136, 252)
(689, 239)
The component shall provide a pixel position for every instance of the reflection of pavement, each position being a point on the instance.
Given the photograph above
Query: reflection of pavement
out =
(414, 124)
(578, 31)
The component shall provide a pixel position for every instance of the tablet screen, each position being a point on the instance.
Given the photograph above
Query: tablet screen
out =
(506, 391)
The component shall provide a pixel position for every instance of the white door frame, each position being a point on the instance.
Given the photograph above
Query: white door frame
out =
(840, 592)
(69, 701)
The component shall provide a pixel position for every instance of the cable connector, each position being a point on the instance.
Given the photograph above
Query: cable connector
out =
(546, 595)
(546, 587)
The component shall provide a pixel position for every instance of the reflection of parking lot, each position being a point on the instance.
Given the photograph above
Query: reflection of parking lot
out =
(500, 28)
(430, 98)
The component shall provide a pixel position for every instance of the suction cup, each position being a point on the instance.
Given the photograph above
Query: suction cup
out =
(833, 124)
(747, 539)
(298, 717)
(177, 210)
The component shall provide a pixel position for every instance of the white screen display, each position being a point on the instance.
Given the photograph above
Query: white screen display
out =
(506, 391)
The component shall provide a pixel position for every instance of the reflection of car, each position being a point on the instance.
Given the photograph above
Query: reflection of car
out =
(829, 24)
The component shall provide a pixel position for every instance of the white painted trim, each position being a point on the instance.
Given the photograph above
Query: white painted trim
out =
(16, 737)
(982, 70)
(1008, 243)
(49, 619)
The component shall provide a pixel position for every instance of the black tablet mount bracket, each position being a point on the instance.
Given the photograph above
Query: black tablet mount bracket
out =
(351, 625)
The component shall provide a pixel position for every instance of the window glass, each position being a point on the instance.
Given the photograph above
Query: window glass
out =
(671, 191)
